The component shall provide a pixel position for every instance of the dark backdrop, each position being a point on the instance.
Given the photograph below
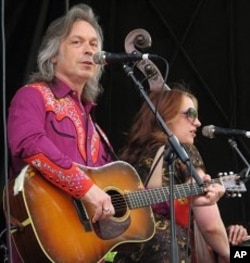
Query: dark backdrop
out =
(206, 43)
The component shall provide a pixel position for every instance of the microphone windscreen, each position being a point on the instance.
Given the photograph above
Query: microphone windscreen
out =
(99, 58)
(208, 131)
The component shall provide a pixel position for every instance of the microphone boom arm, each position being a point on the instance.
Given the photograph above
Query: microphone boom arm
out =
(233, 144)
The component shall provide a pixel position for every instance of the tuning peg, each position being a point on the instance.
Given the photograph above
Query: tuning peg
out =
(222, 174)
(225, 173)
(233, 195)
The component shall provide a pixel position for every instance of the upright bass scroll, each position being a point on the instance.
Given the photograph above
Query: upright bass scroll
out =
(140, 38)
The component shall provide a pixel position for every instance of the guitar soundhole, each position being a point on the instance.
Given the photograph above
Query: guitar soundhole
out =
(119, 223)
(118, 202)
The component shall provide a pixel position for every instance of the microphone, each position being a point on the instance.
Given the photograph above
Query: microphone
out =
(104, 57)
(211, 131)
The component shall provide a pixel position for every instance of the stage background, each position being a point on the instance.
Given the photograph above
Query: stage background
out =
(206, 43)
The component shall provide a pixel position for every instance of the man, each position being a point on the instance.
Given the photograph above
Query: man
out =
(50, 126)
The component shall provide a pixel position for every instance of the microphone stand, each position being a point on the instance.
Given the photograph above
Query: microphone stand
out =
(170, 156)
(233, 144)
(175, 148)
(245, 171)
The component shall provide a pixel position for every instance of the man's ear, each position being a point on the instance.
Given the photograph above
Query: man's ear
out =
(54, 60)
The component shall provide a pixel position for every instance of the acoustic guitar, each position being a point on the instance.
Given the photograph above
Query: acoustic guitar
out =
(51, 226)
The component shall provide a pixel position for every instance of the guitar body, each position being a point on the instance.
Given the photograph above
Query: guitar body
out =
(56, 229)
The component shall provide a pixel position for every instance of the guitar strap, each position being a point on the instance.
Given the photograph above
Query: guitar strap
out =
(157, 164)
(106, 142)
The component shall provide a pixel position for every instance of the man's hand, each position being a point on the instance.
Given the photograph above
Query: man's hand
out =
(101, 201)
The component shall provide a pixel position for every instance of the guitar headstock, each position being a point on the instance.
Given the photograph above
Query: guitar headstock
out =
(233, 184)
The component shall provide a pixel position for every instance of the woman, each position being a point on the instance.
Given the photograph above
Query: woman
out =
(178, 107)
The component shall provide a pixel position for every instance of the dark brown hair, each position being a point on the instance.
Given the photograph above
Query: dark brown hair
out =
(145, 132)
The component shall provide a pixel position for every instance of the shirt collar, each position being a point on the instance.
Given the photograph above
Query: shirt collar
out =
(61, 90)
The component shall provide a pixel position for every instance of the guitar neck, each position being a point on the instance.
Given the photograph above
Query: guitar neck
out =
(146, 197)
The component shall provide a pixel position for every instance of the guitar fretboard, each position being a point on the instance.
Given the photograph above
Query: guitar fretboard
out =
(143, 198)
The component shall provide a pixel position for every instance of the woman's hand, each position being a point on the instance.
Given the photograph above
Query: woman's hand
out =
(237, 234)
(212, 193)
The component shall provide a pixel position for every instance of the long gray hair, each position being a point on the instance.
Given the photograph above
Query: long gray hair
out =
(58, 30)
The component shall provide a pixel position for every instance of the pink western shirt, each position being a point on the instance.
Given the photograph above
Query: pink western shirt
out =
(51, 129)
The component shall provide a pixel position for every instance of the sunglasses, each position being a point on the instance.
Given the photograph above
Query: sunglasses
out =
(191, 114)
